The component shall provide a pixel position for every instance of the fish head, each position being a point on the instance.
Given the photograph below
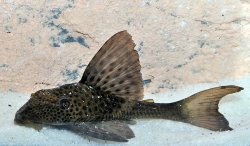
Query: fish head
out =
(50, 106)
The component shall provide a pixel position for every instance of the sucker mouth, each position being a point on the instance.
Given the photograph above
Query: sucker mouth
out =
(19, 120)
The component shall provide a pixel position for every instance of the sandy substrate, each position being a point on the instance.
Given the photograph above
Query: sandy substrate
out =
(235, 107)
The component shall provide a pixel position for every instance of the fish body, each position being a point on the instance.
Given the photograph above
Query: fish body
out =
(82, 103)
(109, 96)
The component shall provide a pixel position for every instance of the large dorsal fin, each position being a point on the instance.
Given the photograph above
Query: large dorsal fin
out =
(115, 69)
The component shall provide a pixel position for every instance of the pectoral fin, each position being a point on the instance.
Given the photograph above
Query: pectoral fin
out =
(109, 130)
(117, 127)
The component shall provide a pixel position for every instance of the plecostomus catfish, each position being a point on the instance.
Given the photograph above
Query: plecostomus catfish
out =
(109, 96)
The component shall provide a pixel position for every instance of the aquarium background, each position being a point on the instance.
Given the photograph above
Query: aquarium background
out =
(184, 47)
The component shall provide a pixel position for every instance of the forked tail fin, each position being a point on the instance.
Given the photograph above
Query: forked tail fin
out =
(201, 109)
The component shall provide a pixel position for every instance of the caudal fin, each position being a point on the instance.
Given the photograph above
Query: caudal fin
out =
(201, 109)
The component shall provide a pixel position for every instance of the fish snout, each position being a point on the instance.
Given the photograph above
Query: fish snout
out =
(21, 116)
(19, 119)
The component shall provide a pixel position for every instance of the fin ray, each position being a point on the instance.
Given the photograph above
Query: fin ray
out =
(94, 130)
(115, 69)
(117, 127)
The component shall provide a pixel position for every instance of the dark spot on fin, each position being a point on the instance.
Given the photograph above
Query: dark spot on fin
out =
(115, 68)
(201, 109)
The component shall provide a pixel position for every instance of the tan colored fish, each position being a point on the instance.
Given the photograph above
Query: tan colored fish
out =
(109, 96)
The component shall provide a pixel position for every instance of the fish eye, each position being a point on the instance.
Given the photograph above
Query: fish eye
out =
(64, 103)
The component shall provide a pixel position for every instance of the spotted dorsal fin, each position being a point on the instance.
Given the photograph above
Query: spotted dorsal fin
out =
(115, 69)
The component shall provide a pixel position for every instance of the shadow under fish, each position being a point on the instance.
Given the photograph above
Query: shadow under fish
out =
(109, 96)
